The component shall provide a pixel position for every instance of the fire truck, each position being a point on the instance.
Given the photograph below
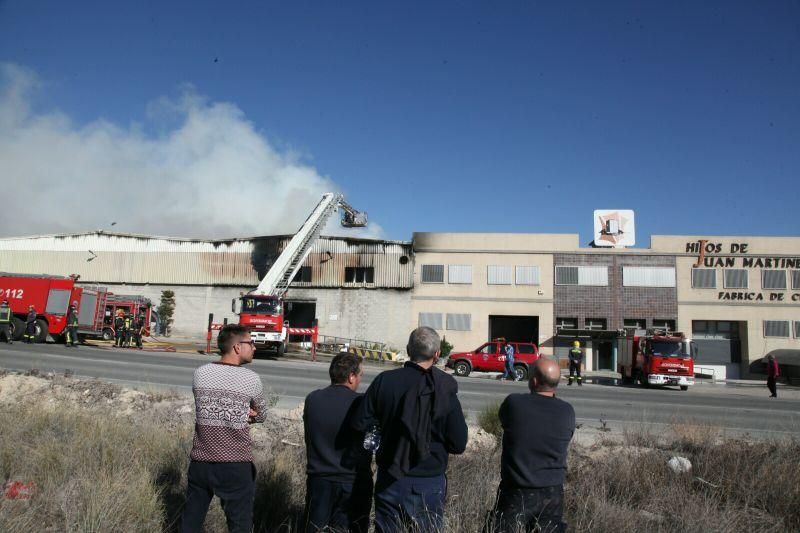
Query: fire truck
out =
(128, 305)
(657, 357)
(51, 297)
(262, 310)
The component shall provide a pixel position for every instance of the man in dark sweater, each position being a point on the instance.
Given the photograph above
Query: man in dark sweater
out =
(417, 412)
(339, 482)
(537, 429)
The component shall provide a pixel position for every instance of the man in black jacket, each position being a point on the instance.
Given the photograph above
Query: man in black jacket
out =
(537, 429)
(339, 482)
(416, 410)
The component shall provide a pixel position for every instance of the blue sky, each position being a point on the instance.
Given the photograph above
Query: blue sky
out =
(444, 116)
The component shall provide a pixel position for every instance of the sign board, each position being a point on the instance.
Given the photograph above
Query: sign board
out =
(614, 228)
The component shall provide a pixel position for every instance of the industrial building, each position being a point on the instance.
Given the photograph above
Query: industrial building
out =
(357, 289)
(737, 297)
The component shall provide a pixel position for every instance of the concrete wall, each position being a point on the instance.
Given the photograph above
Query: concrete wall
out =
(379, 315)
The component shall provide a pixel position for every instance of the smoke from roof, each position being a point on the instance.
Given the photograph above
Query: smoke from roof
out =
(209, 174)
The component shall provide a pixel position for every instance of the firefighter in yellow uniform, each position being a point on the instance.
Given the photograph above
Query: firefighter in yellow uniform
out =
(575, 362)
(128, 330)
(5, 322)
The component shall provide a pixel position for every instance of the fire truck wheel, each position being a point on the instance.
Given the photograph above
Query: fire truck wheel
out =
(108, 334)
(281, 349)
(520, 372)
(18, 329)
(41, 331)
(643, 380)
(462, 369)
(684, 387)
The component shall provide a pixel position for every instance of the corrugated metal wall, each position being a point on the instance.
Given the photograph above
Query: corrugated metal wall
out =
(119, 258)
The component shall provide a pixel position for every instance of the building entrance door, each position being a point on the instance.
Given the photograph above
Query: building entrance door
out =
(605, 356)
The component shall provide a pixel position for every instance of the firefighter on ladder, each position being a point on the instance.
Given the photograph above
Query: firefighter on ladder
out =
(5, 322)
(72, 325)
(30, 325)
(119, 328)
(575, 362)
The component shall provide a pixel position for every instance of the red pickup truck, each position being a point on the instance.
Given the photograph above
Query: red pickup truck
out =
(490, 357)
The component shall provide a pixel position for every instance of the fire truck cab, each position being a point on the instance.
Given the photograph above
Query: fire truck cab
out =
(657, 357)
(264, 316)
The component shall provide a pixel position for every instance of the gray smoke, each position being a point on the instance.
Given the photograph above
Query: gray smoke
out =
(208, 173)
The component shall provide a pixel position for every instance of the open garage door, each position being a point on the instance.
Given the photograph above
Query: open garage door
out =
(301, 315)
(514, 328)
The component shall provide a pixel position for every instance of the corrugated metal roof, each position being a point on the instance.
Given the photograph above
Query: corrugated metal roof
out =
(123, 258)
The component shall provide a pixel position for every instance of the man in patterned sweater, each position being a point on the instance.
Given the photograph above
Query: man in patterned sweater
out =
(227, 398)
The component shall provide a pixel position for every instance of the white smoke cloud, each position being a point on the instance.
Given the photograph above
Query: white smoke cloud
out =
(209, 175)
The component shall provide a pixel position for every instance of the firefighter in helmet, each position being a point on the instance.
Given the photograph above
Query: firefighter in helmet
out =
(575, 362)
(72, 325)
(119, 328)
(137, 330)
(30, 325)
(5, 322)
(128, 330)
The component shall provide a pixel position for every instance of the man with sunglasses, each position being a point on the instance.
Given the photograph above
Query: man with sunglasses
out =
(227, 398)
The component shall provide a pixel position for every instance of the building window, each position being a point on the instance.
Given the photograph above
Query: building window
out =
(735, 278)
(648, 276)
(432, 273)
(776, 328)
(596, 323)
(566, 323)
(459, 322)
(527, 275)
(704, 278)
(773, 279)
(459, 274)
(664, 323)
(431, 320)
(711, 329)
(359, 275)
(635, 323)
(797, 329)
(498, 275)
(796, 279)
(303, 275)
(582, 275)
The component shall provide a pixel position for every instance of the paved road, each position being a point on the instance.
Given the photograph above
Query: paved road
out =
(735, 409)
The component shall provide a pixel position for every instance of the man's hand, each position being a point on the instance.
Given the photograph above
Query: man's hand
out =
(251, 416)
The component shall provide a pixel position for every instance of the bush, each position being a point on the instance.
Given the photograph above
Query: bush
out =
(445, 348)
(166, 308)
(489, 420)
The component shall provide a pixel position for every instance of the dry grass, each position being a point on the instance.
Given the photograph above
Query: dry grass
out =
(115, 474)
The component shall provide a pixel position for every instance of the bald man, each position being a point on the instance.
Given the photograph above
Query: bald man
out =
(537, 430)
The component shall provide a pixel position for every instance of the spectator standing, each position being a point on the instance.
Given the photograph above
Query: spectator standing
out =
(416, 411)
(5, 322)
(338, 468)
(227, 398)
(575, 362)
(537, 429)
(773, 371)
(508, 372)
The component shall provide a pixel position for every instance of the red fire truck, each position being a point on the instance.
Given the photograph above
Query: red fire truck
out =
(657, 357)
(51, 297)
(262, 309)
(129, 305)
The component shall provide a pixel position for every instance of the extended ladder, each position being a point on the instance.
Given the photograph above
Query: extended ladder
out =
(283, 270)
